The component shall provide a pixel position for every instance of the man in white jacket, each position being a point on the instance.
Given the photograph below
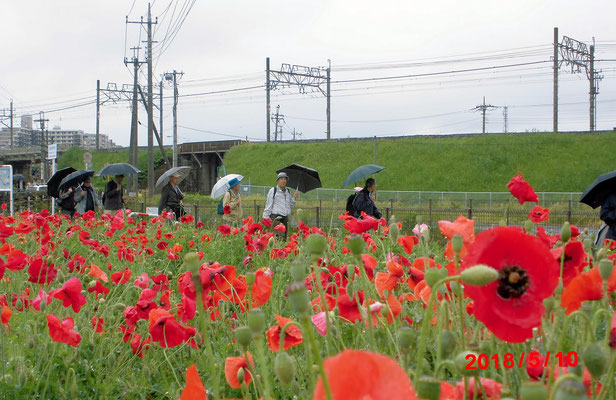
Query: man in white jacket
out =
(280, 202)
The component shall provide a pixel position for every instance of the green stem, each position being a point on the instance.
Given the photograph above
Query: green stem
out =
(560, 380)
(425, 324)
(265, 370)
(305, 319)
(605, 390)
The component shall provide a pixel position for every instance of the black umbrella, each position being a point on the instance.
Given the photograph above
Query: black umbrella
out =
(361, 173)
(53, 183)
(75, 178)
(595, 194)
(302, 178)
(118, 169)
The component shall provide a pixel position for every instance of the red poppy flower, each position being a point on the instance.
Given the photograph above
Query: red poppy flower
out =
(521, 190)
(194, 389)
(293, 335)
(586, 286)
(349, 309)
(407, 242)
(165, 329)
(262, 288)
(461, 226)
(360, 226)
(121, 277)
(575, 258)
(224, 229)
(280, 228)
(40, 272)
(267, 222)
(97, 324)
(539, 214)
(548, 240)
(380, 376)
(233, 366)
(42, 297)
(491, 387)
(138, 345)
(512, 305)
(97, 273)
(70, 294)
(226, 210)
(6, 314)
(200, 224)
(613, 332)
(62, 331)
(389, 280)
(187, 310)
(143, 281)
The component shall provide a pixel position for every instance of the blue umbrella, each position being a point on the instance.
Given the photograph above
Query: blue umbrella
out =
(361, 173)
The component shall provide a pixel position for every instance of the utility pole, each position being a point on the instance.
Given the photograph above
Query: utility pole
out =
(295, 134)
(11, 124)
(555, 90)
(592, 91)
(98, 112)
(150, 108)
(267, 97)
(505, 119)
(42, 120)
(483, 108)
(277, 118)
(329, 96)
(160, 112)
(133, 153)
(173, 76)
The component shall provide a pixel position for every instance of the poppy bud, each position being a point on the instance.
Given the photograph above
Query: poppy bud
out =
(577, 370)
(479, 275)
(316, 244)
(298, 271)
(284, 366)
(92, 284)
(565, 232)
(101, 300)
(405, 337)
(571, 390)
(256, 320)
(240, 375)
(393, 232)
(548, 303)
(461, 361)
(298, 296)
(533, 391)
(296, 389)
(119, 306)
(356, 244)
(528, 225)
(432, 275)
(457, 243)
(350, 288)
(428, 388)
(243, 335)
(43, 306)
(587, 245)
(191, 262)
(418, 219)
(250, 277)
(448, 343)
(605, 268)
(595, 359)
(601, 254)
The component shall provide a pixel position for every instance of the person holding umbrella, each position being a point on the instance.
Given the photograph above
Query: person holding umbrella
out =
(171, 197)
(280, 202)
(67, 202)
(233, 200)
(113, 197)
(87, 198)
(364, 201)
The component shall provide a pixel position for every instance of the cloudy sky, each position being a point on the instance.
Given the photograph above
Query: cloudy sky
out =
(54, 51)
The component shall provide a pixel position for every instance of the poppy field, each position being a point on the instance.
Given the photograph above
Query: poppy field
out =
(119, 306)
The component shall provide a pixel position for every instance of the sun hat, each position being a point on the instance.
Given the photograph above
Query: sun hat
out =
(282, 175)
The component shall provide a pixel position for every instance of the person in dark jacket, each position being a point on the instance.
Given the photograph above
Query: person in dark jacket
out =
(608, 215)
(87, 198)
(171, 197)
(364, 201)
(67, 202)
(113, 197)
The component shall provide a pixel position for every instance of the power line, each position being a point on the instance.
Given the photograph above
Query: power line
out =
(218, 133)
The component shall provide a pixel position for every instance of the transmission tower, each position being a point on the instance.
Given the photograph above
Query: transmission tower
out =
(505, 119)
(579, 57)
(173, 77)
(483, 108)
(278, 120)
(296, 134)
(305, 78)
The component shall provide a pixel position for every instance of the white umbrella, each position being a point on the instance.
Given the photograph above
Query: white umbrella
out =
(224, 184)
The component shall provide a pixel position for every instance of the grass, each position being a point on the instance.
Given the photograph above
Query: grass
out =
(550, 162)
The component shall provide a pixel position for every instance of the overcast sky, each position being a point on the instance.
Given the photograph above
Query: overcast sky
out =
(54, 51)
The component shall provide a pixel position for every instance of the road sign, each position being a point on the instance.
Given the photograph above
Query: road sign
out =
(87, 157)
(52, 151)
(6, 181)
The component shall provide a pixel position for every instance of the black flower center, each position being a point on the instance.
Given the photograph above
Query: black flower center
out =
(512, 282)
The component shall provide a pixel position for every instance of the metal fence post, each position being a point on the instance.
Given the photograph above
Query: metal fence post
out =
(430, 211)
(470, 209)
(143, 206)
(196, 213)
(507, 212)
(569, 211)
(387, 214)
(318, 211)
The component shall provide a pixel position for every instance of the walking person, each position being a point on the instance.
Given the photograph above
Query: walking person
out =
(279, 203)
(113, 197)
(171, 197)
(233, 200)
(608, 215)
(364, 201)
(87, 198)
(67, 202)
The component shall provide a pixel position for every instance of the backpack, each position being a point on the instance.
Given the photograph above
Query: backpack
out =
(349, 204)
(221, 209)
